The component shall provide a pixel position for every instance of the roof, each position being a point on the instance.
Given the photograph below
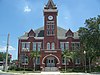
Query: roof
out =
(40, 33)
(50, 5)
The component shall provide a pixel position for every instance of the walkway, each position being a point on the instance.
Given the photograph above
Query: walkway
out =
(48, 73)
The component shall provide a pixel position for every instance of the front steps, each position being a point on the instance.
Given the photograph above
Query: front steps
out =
(47, 69)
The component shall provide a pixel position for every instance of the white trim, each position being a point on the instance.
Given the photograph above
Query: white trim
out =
(64, 42)
(75, 42)
(50, 55)
(25, 42)
(50, 10)
(50, 51)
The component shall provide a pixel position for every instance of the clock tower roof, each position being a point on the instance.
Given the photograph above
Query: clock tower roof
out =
(50, 5)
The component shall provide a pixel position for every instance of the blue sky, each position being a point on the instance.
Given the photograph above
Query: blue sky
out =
(19, 16)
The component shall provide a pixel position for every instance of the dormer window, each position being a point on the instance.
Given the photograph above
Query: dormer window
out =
(69, 35)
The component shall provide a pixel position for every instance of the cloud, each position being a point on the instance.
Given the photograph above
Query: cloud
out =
(3, 48)
(27, 9)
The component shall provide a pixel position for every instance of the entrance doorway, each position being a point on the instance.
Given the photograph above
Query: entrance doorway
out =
(50, 62)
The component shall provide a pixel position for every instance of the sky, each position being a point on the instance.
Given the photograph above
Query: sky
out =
(19, 16)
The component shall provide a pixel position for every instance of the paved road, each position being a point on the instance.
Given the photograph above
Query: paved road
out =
(6, 74)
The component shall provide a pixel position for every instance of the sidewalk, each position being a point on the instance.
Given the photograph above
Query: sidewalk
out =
(50, 73)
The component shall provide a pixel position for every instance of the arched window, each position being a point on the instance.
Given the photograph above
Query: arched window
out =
(53, 46)
(48, 46)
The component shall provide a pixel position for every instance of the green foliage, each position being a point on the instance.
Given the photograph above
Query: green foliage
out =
(12, 67)
(72, 54)
(96, 69)
(15, 68)
(90, 38)
(75, 69)
(35, 54)
(3, 56)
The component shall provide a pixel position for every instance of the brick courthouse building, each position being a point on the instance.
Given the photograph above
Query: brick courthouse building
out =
(50, 40)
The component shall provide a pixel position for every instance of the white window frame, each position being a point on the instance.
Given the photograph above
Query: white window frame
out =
(39, 45)
(77, 61)
(67, 62)
(38, 60)
(48, 32)
(53, 46)
(74, 47)
(66, 45)
(25, 46)
(48, 46)
(62, 46)
(34, 46)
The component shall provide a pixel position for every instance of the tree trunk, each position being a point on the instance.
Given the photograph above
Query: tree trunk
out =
(89, 64)
(34, 64)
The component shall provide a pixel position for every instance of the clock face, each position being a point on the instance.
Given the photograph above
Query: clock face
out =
(50, 17)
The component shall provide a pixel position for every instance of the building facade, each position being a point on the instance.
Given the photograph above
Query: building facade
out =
(50, 40)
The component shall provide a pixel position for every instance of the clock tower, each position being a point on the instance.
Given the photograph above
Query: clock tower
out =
(50, 23)
(50, 19)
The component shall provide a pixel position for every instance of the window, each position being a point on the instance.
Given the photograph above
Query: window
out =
(25, 46)
(52, 26)
(63, 61)
(62, 45)
(24, 59)
(50, 23)
(34, 46)
(48, 26)
(69, 35)
(48, 32)
(77, 61)
(75, 46)
(53, 46)
(38, 60)
(66, 46)
(39, 46)
(48, 46)
(52, 32)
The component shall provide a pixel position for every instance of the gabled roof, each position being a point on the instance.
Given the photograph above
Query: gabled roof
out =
(50, 5)
(31, 33)
(39, 33)
(69, 32)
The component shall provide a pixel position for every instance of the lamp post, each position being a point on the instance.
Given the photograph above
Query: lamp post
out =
(85, 61)
(65, 64)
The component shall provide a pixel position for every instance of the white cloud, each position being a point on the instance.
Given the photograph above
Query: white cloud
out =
(27, 9)
(3, 48)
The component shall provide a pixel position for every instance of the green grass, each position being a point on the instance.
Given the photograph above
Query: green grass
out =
(13, 71)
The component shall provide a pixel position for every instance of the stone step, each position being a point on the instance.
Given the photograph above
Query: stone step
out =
(51, 69)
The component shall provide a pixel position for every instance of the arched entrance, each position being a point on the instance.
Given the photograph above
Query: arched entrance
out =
(50, 60)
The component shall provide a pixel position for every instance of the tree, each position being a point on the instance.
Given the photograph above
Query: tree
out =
(34, 55)
(67, 55)
(3, 57)
(90, 38)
